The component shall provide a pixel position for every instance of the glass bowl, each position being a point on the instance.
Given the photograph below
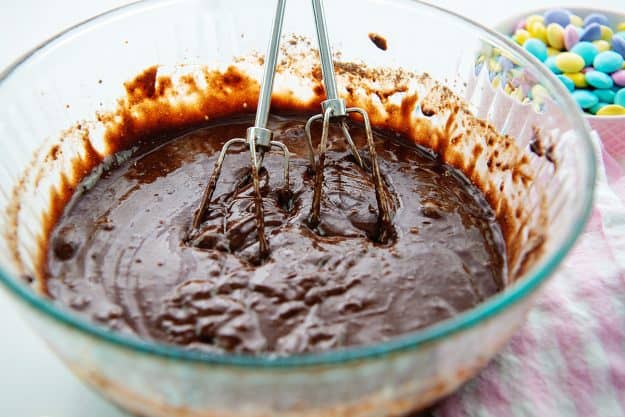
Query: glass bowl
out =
(82, 71)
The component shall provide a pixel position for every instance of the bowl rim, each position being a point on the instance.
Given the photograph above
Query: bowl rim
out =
(516, 292)
(506, 24)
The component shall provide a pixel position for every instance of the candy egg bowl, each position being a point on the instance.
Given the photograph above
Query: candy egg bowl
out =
(609, 128)
(543, 205)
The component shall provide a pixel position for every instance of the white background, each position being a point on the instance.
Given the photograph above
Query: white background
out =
(32, 381)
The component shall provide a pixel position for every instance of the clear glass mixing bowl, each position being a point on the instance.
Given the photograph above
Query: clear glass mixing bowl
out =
(82, 71)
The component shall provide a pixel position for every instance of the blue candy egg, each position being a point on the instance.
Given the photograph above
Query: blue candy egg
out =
(584, 98)
(550, 62)
(594, 109)
(605, 96)
(598, 18)
(568, 83)
(619, 98)
(586, 50)
(608, 62)
(537, 48)
(590, 33)
(618, 45)
(559, 16)
(599, 79)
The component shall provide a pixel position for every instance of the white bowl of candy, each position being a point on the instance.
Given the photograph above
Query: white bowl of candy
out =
(585, 49)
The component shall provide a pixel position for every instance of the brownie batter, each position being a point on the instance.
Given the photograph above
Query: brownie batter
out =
(125, 253)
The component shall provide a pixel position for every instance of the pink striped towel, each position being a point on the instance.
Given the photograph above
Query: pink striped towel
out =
(568, 360)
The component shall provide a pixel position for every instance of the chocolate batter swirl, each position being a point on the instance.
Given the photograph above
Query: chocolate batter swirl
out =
(124, 254)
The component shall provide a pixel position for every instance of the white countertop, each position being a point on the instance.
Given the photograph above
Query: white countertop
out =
(33, 383)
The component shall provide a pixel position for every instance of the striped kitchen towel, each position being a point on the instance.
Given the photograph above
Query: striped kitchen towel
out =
(568, 360)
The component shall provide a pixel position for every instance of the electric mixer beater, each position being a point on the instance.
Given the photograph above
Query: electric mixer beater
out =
(334, 110)
(258, 138)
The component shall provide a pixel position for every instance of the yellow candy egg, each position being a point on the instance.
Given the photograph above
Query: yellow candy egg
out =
(539, 92)
(620, 27)
(569, 62)
(520, 36)
(606, 33)
(538, 30)
(578, 78)
(577, 21)
(552, 51)
(611, 110)
(494, 66)
(534, 18)
(555, 36)
(602, 45)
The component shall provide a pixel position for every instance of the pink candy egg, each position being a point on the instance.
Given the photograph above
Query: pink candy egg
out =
(619, 77)
(571, 37)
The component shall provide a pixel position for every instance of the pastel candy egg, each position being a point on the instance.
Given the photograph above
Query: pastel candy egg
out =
(608, 61)
(618, 46)
(558, 16)
(619, 78)
(598, 18)
(520, 24)
(569, 62)
(520, 36)
(594, 109)
(568, 83)
(578, 78)
(619, 98)
(590, 33)
(550, 63)
(586, 50)
(612, 110)
(537, 48)
(538, 92)
(602, 45)
(585, 98)
(533, 18)
(606, 33)
(538, 30)
(620, 34)
(620, 27)
(605, 96)
(552, 51)
(506, 64)
(576, 20)
(599, 79)
(555, 35)
(571, 37)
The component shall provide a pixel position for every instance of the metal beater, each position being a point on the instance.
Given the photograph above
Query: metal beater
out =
(334, 110)
(258, 139)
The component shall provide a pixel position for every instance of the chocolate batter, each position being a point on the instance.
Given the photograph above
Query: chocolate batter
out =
(125, 255)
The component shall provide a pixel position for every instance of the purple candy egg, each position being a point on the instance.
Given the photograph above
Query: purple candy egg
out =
(592, 32)
(571, 37)
(597, 18)
(619, 78)
(520, 25)
(587, 69)
(559, 16)
(618, 45)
